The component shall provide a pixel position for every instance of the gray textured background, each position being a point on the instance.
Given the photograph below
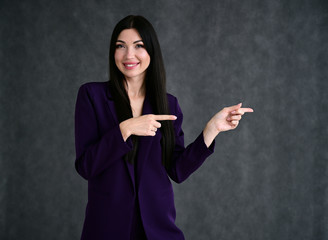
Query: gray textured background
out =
(266, 180)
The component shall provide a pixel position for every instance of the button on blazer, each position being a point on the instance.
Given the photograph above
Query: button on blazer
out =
(100, 149)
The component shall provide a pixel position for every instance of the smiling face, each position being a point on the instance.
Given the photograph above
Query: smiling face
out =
(131, 57)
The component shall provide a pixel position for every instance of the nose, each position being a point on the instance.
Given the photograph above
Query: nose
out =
(129, 52)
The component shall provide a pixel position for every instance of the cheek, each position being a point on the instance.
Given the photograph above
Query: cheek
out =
(142, 53)
(145, 56)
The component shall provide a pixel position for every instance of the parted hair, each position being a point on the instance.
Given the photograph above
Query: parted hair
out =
(155, 83)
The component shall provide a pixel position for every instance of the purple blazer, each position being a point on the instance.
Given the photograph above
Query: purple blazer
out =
(111, 183)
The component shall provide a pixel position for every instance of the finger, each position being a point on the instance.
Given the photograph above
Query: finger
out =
(164, 117)
(241, 111)
(234, 107)
(233, 125)
(151, 132)
(157, 124)
(234, 117)
(247, 110)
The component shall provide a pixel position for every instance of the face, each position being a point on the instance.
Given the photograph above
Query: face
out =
(131, 57)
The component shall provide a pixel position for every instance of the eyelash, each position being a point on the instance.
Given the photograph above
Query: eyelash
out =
(137, 46)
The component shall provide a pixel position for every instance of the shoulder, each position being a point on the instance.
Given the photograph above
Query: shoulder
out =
(170, 97)
(173, 104)
(94, 88)
(172, 100)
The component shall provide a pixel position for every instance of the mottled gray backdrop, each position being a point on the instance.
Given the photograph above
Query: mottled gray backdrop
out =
(266, 180)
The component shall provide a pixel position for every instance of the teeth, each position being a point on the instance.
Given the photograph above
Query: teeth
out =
(130, 65)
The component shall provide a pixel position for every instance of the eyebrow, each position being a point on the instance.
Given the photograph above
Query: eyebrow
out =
(133, 42)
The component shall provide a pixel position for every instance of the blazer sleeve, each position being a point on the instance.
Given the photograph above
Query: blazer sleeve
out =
(95, 151)
(188, 159)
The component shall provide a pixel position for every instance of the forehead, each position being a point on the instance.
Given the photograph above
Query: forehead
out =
(129, 35)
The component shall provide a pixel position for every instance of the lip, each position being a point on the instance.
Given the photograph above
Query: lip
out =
(130, 65)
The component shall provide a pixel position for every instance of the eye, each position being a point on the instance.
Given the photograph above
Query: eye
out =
(139, 46)
(119, 46)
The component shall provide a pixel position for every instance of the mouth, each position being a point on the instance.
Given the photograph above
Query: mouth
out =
(130, 65)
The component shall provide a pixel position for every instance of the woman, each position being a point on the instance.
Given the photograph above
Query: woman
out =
(129, 140)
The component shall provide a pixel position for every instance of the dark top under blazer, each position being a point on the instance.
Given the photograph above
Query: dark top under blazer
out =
(111, 183)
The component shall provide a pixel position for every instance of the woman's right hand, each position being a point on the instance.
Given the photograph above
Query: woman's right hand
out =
(145, 125)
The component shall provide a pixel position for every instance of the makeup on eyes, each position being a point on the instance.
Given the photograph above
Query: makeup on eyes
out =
(135, 42)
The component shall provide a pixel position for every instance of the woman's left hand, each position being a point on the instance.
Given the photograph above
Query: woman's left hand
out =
(227, 119)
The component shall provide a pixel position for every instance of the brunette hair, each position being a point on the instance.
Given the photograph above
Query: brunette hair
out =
(155, 82)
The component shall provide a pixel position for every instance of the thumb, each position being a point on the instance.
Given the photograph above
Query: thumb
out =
(234, 107)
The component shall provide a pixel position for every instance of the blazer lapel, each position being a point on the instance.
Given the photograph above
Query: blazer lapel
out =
(111, 106)
(145, 142)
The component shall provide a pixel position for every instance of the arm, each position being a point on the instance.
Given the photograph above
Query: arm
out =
(95, 152)
(188, 159)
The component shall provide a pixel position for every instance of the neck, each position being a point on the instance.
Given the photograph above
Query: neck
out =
(135, 87)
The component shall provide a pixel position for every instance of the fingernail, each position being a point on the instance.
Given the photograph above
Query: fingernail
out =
(233, 112)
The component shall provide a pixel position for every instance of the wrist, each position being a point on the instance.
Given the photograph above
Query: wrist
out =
(209, 133)
(124, 127)
(211, 129)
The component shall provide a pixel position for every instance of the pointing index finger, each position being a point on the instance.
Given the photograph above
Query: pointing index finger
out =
(247, 110)
(242, 111)
(165, 117)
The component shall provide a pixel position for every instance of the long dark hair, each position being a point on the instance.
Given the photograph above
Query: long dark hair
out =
(155, 82)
